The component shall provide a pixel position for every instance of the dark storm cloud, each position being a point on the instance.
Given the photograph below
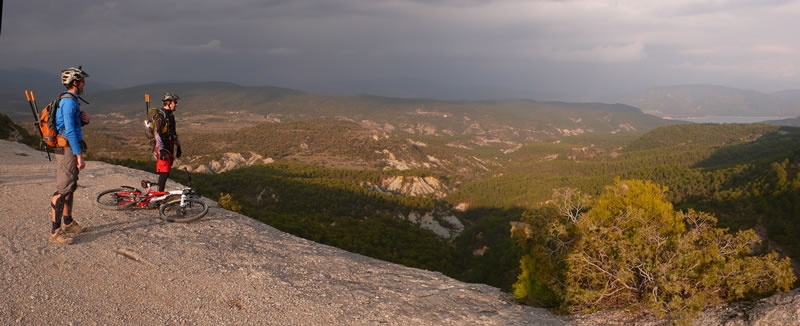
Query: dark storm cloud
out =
(575, 48)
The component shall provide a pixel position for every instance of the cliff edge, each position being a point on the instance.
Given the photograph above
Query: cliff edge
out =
(131, 268)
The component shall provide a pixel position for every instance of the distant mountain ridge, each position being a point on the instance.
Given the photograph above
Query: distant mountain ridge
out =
(686, 101)
(45, 85)
(674, 102)
(18, 80)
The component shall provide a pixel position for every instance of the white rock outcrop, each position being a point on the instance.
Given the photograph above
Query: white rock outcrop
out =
(429, 221)
(414, 186)
(228, 162)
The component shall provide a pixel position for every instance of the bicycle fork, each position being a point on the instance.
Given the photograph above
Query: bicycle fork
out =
(185, 195)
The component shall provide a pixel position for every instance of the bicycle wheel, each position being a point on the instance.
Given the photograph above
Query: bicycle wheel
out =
(116, 199)
(172, 211)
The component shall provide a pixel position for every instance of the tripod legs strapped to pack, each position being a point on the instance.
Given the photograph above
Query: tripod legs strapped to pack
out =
(35, 110)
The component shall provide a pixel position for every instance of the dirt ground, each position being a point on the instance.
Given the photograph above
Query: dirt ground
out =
(130, 268)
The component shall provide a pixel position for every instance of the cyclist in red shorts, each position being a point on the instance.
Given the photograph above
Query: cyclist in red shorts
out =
(167, 146)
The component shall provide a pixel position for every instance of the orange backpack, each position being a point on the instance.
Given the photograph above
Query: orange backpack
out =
(47, 123)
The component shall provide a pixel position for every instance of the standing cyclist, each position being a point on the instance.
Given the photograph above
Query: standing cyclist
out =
(69, 154)
(166, 138)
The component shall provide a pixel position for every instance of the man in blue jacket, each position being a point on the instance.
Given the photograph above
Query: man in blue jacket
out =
(69, 155)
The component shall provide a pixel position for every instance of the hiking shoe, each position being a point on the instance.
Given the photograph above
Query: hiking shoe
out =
(59, 237)
(73, 227)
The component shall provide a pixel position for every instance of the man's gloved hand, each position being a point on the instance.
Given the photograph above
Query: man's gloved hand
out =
(178, 152)
(84, 118)
(163, 154)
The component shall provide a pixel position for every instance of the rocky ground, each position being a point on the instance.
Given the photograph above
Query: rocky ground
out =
(130, 268)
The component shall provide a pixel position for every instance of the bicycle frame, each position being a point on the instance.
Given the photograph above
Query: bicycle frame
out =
(149, 198)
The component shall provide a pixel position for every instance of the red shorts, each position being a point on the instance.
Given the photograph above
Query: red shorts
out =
(164, 165)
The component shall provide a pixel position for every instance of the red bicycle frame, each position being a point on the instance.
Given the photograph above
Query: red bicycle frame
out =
(136, 198)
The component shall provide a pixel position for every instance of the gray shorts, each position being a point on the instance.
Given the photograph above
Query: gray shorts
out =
(66, 170)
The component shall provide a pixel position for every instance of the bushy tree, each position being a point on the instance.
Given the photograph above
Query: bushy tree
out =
(547, 234)
(227, 202)
(630, 248)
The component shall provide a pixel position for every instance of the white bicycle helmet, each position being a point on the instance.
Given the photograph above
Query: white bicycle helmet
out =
(70, 74)
(170, 97)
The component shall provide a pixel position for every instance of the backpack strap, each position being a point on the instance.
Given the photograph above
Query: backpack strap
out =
(74, 96)
(63, 96)
(164, 121)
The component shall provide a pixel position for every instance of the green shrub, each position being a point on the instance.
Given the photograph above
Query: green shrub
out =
(631, 249)
(227, 202)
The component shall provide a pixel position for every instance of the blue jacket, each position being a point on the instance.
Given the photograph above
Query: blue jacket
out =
(68, 121)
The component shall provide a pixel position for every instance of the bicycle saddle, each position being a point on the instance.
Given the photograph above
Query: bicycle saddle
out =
(146, 183)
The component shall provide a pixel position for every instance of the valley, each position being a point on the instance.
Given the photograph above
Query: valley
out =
(437, 185)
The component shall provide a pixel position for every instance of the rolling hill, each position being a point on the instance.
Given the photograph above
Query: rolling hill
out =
(466, 139)
(686, 101)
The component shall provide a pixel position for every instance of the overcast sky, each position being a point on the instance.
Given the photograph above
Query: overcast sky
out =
(568, 50)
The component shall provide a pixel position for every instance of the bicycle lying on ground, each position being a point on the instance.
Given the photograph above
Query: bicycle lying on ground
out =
(182, 206)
